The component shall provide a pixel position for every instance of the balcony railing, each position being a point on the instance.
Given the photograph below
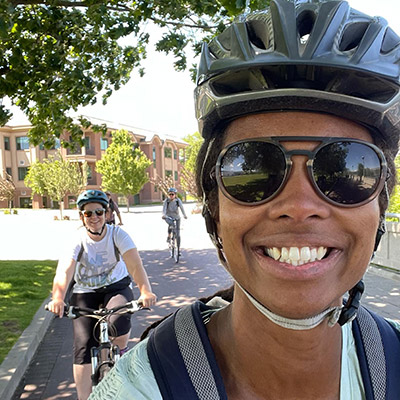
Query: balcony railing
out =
(89, 151)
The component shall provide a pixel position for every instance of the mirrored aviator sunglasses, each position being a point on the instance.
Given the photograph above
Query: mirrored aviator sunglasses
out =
(99, 212)
(344, 172)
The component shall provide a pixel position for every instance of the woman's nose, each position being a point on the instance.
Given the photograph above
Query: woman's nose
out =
(298, 200)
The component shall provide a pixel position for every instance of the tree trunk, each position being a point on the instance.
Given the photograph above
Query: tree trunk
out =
(127, 203)
(61, 206)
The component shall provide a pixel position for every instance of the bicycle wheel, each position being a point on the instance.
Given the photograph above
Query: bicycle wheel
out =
(106, 363)
(176, 249)
(171, 246)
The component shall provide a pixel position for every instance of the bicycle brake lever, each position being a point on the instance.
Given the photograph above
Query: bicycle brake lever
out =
(71, 314)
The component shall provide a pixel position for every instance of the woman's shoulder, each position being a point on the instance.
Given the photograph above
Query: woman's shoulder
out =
(131, 378)
(395, 324)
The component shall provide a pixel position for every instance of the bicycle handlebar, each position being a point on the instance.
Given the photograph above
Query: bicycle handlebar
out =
(74, 312)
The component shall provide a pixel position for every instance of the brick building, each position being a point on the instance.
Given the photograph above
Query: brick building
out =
(16, 155)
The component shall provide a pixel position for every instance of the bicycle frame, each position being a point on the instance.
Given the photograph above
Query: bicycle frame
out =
(104, 356)
(174, 243)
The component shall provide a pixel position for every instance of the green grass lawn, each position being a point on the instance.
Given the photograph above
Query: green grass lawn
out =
(24, 285)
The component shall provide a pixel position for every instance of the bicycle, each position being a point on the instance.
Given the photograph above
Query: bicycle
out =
(103, 357)
(175, 239)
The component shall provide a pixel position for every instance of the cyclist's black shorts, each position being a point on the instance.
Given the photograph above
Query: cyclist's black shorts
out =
(84, 339)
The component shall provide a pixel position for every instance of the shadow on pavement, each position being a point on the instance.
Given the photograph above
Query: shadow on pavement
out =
(197, 274)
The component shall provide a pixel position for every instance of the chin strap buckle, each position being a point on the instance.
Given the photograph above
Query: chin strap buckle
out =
(350, 309)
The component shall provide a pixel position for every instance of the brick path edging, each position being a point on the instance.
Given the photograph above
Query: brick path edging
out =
(20, 356)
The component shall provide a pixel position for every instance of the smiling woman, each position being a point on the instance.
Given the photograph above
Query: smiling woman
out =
(298, 105)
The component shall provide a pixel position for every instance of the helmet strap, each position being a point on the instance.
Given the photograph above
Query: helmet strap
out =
(332, 313)
(96, 233)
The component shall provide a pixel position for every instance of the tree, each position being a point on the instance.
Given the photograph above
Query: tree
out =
(56, 178)
(163, 184)
(123, 166)
(188, 172)
(394, 204)
(58, 55)
(7, 189)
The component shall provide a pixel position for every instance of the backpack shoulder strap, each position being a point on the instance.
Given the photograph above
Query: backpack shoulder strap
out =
(78, 259)
(182, 358)
(116, 250)
(378, 350)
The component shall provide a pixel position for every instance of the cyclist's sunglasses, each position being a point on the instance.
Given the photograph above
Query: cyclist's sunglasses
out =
(171, 194)
(99, 212)
(344, 172)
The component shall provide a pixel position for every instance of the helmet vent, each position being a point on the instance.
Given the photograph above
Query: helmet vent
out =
(390, 41)
(305, 24)
(258, 34)
(352, 36)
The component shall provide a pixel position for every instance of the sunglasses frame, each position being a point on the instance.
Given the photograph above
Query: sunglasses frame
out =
(325, 141)
(95, 211)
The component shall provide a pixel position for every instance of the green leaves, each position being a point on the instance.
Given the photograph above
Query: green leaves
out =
(56, 178)
(59, 55)
(394, 203)
(123, 166)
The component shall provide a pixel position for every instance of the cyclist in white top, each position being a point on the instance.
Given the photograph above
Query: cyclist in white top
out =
(100, 263)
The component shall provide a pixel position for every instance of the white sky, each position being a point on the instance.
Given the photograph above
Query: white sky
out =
(162, 101)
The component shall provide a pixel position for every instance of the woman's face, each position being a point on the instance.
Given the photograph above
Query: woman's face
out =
(95, 222)
(297, 218)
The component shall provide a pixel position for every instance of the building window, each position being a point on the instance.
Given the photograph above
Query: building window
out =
(168, 173)
(167, 152)
(103, 144)
(154, 156)
(89, 172)
(56, 145)
(176, 175)
(175, 154)
(25, 202)
(86, 140)
(6, 143)
(22, 142)
(182, 156)
(9, 171)
(22, 171)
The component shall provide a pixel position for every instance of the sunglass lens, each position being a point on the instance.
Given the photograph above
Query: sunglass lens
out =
(252, 171)
(347, 172)
(97, 211)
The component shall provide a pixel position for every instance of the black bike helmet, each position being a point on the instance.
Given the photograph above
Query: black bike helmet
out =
(315, 55)
(92, 196)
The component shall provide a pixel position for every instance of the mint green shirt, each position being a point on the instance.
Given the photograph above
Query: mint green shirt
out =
(132, 378)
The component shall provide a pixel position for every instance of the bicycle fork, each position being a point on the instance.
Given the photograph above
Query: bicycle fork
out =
(104, 356)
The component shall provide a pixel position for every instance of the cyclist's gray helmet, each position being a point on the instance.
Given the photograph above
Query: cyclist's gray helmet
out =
(318, 56)
(92, 196)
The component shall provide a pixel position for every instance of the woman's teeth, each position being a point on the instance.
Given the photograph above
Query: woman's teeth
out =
(295, 255)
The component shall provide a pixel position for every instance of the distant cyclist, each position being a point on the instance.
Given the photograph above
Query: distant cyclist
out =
(171, 209)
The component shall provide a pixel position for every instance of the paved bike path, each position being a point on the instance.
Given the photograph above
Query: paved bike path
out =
(50, 374)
